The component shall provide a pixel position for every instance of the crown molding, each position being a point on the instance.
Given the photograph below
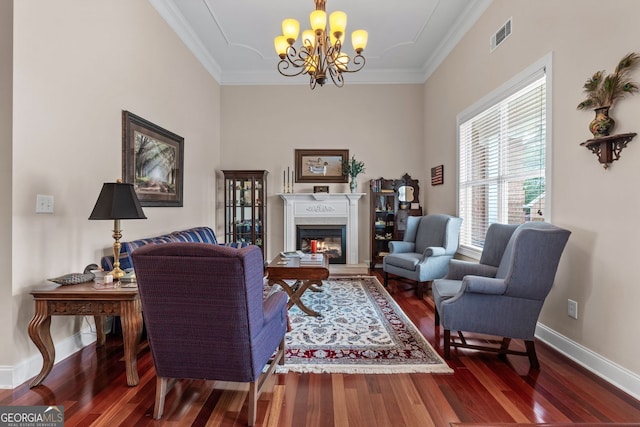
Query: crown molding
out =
(462, 25)
(177, 22)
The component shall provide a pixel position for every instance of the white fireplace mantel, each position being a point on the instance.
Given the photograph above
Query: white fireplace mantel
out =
(322, 209)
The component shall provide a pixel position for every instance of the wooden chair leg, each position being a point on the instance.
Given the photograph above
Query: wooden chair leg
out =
(502, 353)
(386, 279)
(531, 352)
(281, 348)
(420, 290)
(447, 343)
(253, 403)
(256, 387)
(436, 317)
(161, 392)
(462, 338)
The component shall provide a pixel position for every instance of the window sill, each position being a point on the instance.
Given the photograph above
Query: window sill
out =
(468, 254)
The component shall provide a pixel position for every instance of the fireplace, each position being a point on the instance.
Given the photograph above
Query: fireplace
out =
(331, 240)
(323, 209)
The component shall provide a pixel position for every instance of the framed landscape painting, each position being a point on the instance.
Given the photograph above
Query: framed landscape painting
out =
(153, 161)
(320, 165)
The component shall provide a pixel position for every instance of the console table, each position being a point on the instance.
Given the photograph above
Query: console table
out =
(85, 300)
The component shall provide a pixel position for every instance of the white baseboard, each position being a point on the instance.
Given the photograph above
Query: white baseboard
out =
(13, 376)
(620, 377)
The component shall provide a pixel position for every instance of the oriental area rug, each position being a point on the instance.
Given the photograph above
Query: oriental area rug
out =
(361, 330)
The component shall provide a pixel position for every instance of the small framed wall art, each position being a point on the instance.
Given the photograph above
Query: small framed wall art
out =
(320, 165)
(437, 175)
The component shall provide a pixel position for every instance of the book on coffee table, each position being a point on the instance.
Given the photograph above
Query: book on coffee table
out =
(291, 254)
(311, 259)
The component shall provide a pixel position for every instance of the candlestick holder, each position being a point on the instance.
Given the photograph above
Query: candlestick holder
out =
(288, 178)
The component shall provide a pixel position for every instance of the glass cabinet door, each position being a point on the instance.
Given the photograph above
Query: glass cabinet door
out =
(245, 206)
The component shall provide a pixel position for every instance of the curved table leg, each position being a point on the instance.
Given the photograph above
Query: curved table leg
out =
(296, 291)
(40, 334)
(100, 335)
(131, 318)
(313, 288)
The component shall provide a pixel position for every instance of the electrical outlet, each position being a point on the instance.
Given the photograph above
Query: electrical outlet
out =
(44, 204)
(572, 308)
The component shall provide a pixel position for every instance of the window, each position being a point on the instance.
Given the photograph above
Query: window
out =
(502, 145)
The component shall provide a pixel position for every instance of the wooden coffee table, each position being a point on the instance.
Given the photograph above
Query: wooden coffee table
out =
(306, 276)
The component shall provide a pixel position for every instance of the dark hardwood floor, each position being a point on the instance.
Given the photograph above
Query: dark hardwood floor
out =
(482, 391)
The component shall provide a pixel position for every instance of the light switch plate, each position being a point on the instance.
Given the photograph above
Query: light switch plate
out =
(572, 308)
(44, 203)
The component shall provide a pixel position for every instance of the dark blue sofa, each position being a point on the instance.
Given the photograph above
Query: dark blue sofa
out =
(195, 234)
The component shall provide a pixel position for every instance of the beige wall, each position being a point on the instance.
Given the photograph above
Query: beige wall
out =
(599, 206)
(6, 101)
(77, 65)
(380, 124)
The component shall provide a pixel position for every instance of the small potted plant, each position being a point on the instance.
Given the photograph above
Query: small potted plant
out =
(602, 91)
(353, 168)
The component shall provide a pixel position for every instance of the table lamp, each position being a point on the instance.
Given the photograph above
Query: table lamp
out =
(117, 201)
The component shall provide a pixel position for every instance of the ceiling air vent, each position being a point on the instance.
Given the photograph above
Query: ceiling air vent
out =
(500, 35)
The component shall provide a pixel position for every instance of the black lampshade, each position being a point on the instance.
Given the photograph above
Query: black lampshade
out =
(117, 200)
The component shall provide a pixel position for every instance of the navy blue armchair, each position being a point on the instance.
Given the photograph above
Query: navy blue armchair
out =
(206, 317)
(502, 300)
(423, 255)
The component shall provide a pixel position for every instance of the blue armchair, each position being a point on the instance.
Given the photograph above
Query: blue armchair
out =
(495, 243)
(503, 301)
(206, 317)
(423, 255)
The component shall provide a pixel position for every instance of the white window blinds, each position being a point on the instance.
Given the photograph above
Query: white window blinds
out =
(502, 162)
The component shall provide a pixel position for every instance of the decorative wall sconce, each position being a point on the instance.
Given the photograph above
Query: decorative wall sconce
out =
(608, 148)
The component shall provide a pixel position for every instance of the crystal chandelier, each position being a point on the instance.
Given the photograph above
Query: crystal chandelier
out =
(320, 55)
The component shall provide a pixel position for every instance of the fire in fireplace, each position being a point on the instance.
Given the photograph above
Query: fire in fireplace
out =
(331, 240)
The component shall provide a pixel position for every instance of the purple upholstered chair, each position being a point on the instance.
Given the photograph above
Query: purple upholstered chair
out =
(206, 318)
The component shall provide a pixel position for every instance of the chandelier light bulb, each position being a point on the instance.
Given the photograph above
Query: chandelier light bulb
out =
(338, 23)
(310, 63)
(359, 40)
(281, 46)
(333, 40)
(309, 39)
(318, 20)
(290, 30)
(342, 61)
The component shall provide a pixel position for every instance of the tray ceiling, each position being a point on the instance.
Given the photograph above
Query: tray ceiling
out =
(233, 39)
